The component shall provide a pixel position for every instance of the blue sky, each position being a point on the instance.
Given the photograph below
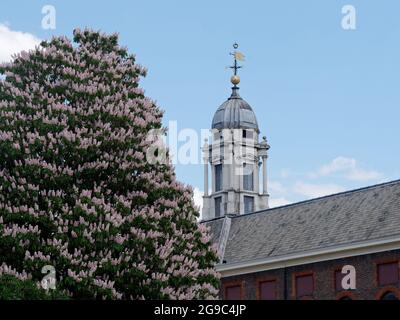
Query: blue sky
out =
(327, 99)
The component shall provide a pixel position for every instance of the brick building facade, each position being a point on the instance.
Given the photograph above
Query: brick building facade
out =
(281, 284)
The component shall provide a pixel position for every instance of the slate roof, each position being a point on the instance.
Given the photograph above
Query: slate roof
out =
(349, 217)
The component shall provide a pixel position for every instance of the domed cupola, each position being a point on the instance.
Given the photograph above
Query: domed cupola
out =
(235, 113)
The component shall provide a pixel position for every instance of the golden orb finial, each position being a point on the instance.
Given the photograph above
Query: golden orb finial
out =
(235, 79)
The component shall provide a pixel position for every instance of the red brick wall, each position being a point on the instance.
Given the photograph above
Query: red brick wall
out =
(324, 278)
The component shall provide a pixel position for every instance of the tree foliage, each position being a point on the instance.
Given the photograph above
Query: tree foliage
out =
(77, 191)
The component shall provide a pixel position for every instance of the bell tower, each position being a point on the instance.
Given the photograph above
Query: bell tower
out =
(235, 156)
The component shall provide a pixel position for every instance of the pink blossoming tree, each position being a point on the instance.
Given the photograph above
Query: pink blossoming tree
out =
(76, 189)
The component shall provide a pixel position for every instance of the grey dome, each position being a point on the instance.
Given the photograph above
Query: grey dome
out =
(235, 113)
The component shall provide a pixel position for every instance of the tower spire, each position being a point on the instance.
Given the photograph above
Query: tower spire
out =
(237, 56)
(234, 157)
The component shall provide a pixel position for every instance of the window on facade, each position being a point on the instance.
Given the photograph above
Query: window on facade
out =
(267, 290)
(389, 296)
(247, 177)
(233, 293)
(218, 177)
(304, 285)
(218, 202)
(247, 134)
(388, 273)
(338, 280)
(248, 204)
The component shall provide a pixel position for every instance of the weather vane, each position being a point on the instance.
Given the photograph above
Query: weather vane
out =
(238, 56)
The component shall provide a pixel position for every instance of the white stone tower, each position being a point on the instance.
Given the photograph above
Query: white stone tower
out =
(235, 156)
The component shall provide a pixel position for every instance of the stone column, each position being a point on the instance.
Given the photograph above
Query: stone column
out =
(205, 159)
(256, 173)
(213, 177)
(205, 178)
(265, 190)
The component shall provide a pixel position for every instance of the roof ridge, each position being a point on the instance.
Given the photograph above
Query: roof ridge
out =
(343, 193)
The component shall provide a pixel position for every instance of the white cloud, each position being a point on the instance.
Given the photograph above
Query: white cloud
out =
(279, 192)
(278, 202)
(14, 41)
(276, 188)
(338, 164)
(349, 168)
(198, 198)
(364, 175)
(316, 190)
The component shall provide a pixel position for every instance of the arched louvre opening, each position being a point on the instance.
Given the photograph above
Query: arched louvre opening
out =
(389, 296)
